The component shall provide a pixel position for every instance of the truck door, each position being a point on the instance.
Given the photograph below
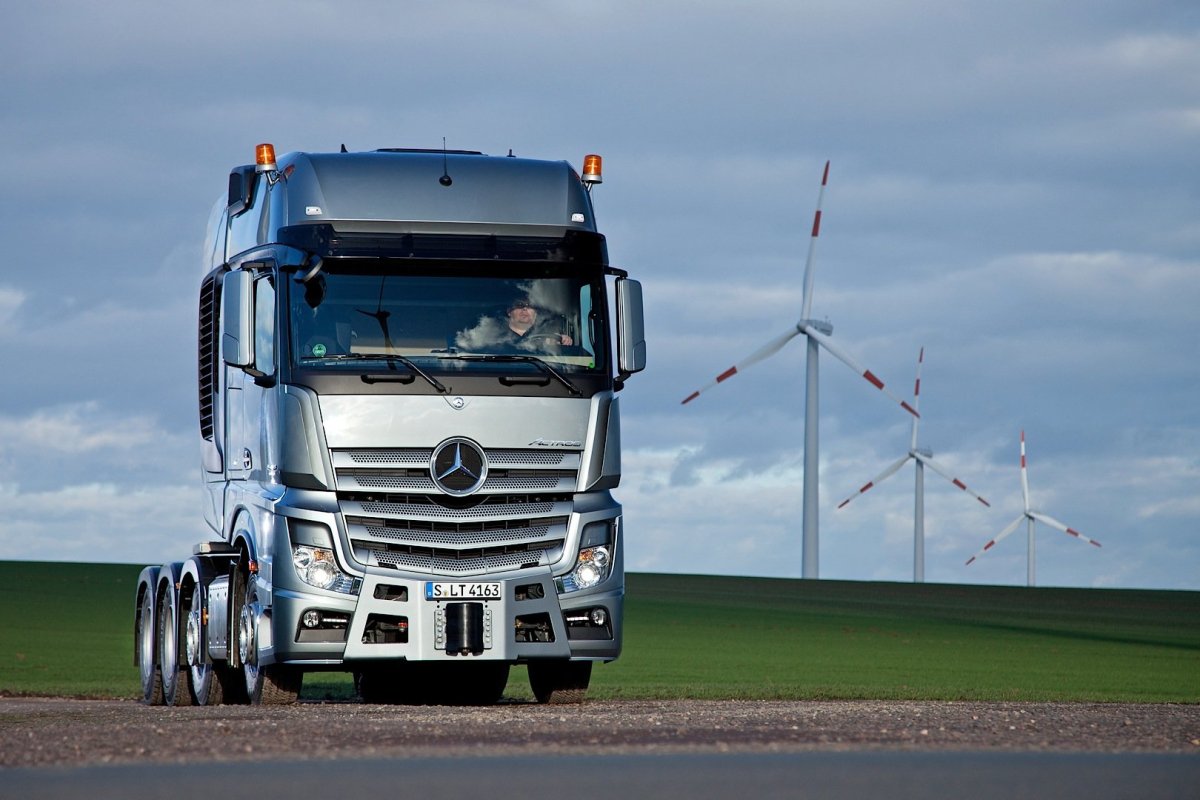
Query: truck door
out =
(245, 410)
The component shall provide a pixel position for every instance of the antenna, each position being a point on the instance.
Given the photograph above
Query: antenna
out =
(445, 180)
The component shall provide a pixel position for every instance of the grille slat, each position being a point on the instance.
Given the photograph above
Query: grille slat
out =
(431, 511)
(446, 566)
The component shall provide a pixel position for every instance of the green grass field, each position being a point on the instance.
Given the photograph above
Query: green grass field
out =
(67, 629)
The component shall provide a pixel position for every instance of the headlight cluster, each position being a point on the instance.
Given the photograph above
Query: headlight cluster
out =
(594, 562)
(313, 559)
(316, 567)
(592, 567)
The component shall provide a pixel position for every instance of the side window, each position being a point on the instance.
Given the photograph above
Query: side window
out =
(244, 229)
(264, 326)
(587, 319)
(209, 355)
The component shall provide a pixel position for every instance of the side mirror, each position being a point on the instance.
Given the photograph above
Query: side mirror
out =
(237, 318)
(631, 335)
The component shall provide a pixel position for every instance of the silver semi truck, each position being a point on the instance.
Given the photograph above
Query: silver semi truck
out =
(408, 366)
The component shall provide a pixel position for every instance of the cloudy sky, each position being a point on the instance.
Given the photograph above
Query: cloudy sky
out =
(1014, 186)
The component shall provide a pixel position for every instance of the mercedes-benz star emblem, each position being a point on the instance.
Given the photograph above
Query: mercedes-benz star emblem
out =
(458, 467)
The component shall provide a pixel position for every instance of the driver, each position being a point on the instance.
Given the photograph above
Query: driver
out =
(523, 326)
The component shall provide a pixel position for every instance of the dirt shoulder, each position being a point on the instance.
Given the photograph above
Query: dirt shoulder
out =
(44, 732)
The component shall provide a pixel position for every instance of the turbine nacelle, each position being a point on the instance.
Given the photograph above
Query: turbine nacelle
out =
(823, 326)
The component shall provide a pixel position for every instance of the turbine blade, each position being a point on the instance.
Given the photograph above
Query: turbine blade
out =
(917, 399)
(840, 354)
(1024, 474)
(933, 465)
(809, 275)
(1053, 523)
(1012, 526)
(769, 349)
(880, 478)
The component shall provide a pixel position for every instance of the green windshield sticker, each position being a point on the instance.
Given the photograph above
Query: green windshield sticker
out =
(318, 350)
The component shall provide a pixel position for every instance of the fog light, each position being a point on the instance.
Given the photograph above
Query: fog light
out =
(311, 619)
(599, 616)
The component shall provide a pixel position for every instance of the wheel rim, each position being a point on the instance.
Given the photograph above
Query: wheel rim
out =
(246, 649)
(192, 638)
(168, 646)
(145, 643)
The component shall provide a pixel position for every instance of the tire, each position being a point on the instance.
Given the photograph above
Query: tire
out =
(560, 682)
(274, 685)
(270, 685)
(145, 644)
(174, 673)
(210, 683)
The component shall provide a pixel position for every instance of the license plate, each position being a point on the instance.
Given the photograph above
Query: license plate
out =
(445, 590)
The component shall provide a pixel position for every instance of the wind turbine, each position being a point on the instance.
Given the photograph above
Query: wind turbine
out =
(922, 458)
(1030, 516)
(817, 334)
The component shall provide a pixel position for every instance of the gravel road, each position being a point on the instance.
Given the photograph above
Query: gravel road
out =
(44, 732)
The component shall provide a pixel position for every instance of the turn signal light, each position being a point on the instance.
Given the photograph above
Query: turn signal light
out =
(593, 169)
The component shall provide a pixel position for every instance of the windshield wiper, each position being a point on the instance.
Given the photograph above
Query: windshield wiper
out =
(522, 359)
(390, 358)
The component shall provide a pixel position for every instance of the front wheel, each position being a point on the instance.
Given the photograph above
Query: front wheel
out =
(210, 683)
(560, 682)
(269, 685)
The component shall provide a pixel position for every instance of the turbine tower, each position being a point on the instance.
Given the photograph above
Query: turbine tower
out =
(922, 458)
(1030, 517)
(817, 334)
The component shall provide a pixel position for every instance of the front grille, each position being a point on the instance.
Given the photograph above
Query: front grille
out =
(397, 517)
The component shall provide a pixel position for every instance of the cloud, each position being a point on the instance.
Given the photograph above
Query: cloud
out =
(11, 301)
(100, 522)
(87, 442)
(77, 428)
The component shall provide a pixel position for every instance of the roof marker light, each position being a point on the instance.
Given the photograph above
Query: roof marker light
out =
(593, 169)
(264, 158)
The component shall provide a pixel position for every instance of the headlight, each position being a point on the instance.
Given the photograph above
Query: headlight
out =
(594, 562)
(591, 568)
(315, 566)
(313, 559)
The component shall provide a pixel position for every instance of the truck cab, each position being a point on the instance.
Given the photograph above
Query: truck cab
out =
(408, 373)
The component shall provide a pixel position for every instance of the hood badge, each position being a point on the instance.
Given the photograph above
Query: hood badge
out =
(458, 467)
(554, 443)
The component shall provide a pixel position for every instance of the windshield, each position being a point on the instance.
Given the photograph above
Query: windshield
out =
(449, 319)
